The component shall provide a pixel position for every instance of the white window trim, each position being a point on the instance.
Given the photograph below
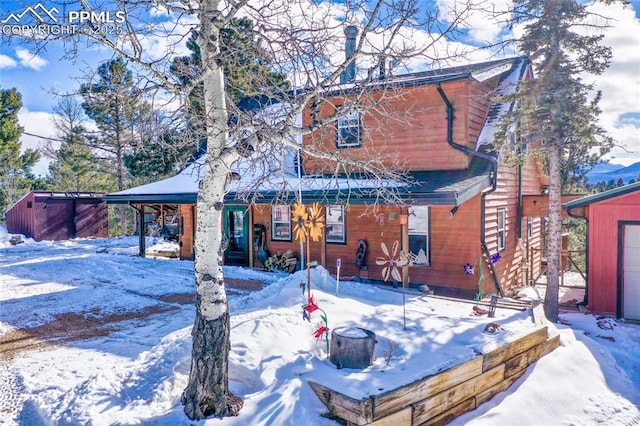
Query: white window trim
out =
(281, 220)
(529, 227)
(501, 242)
(426, 234)
(345, 121)
(343, 238)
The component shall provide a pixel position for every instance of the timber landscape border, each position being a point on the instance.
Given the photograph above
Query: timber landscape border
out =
(439, 398)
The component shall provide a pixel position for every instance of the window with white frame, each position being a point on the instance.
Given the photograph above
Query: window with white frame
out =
(349, 130)
(281, 223)
(529, 227)
(419, 235)
(335, 229)
(502, 220)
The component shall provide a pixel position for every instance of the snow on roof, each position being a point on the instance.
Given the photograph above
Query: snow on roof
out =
(257, 173)
(185, 182)
(498, 110)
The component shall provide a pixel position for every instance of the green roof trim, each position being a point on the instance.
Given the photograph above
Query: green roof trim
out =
(602, 196)
(187, 198)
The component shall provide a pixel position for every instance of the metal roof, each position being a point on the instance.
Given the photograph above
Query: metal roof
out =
(602, 196)
(58, 195)
(438, 187)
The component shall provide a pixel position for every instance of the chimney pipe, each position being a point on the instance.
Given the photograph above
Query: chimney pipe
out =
(349, 74)
(382, 63)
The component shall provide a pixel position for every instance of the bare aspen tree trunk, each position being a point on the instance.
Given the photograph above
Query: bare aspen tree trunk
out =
(207, 393)
(554, 234)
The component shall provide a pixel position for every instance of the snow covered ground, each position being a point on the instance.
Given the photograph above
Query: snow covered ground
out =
(122, 345)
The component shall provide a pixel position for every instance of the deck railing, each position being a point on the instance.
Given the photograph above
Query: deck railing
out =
(568, 261)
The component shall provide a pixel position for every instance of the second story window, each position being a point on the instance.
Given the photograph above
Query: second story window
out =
(349, 130)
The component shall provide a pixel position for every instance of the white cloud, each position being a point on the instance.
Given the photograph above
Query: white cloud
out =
(7, 62)
(163, 37)
(38, 123)
(30, 60)
(483, 19)
(620, 83)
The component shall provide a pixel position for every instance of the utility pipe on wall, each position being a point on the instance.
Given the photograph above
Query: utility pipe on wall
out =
(494, 178)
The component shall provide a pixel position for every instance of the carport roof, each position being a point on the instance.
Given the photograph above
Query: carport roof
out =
(438, 187)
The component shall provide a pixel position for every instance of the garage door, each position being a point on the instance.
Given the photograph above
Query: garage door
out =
(631, 272)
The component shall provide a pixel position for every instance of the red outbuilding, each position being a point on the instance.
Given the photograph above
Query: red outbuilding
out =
(46, 215)
(613, 250)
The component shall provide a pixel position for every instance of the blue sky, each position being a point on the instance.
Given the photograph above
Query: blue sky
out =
(37, 76)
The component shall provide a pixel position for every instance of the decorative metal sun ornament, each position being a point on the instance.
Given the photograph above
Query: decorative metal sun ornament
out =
(308, 222)
(300, 218)
(393, 261)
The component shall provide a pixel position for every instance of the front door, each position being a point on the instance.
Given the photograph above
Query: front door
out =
(631, 272)
(236, 230)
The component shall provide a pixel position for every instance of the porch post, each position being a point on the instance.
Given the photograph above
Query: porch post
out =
(251, 236)
(323, 244)
(404, 244)
(141, 234)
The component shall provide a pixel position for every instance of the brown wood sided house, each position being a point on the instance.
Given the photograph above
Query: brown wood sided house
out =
(465, 205)
(46, 215)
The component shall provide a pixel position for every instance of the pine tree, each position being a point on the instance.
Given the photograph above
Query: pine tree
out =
(16, 177)
(156, 158)
(113, 101)
(555, 116)
(247, 69)
(75, 167)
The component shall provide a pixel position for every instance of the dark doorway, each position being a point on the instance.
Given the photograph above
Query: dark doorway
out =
(236, 230)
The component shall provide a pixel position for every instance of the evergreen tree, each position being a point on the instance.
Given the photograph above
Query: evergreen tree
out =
(75, 167)
(113, 101)
(16, 177)
(556, 117)
(155, 158)
(247, 69)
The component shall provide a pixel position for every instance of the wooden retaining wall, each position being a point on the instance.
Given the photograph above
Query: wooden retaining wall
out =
(439, 398)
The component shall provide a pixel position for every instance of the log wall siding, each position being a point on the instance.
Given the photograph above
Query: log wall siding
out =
(506, 197)
(603, 249)
(371, 226)
(187, 221)
(412, 123)
(453, 242)
(479, 101)
(532, 182)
